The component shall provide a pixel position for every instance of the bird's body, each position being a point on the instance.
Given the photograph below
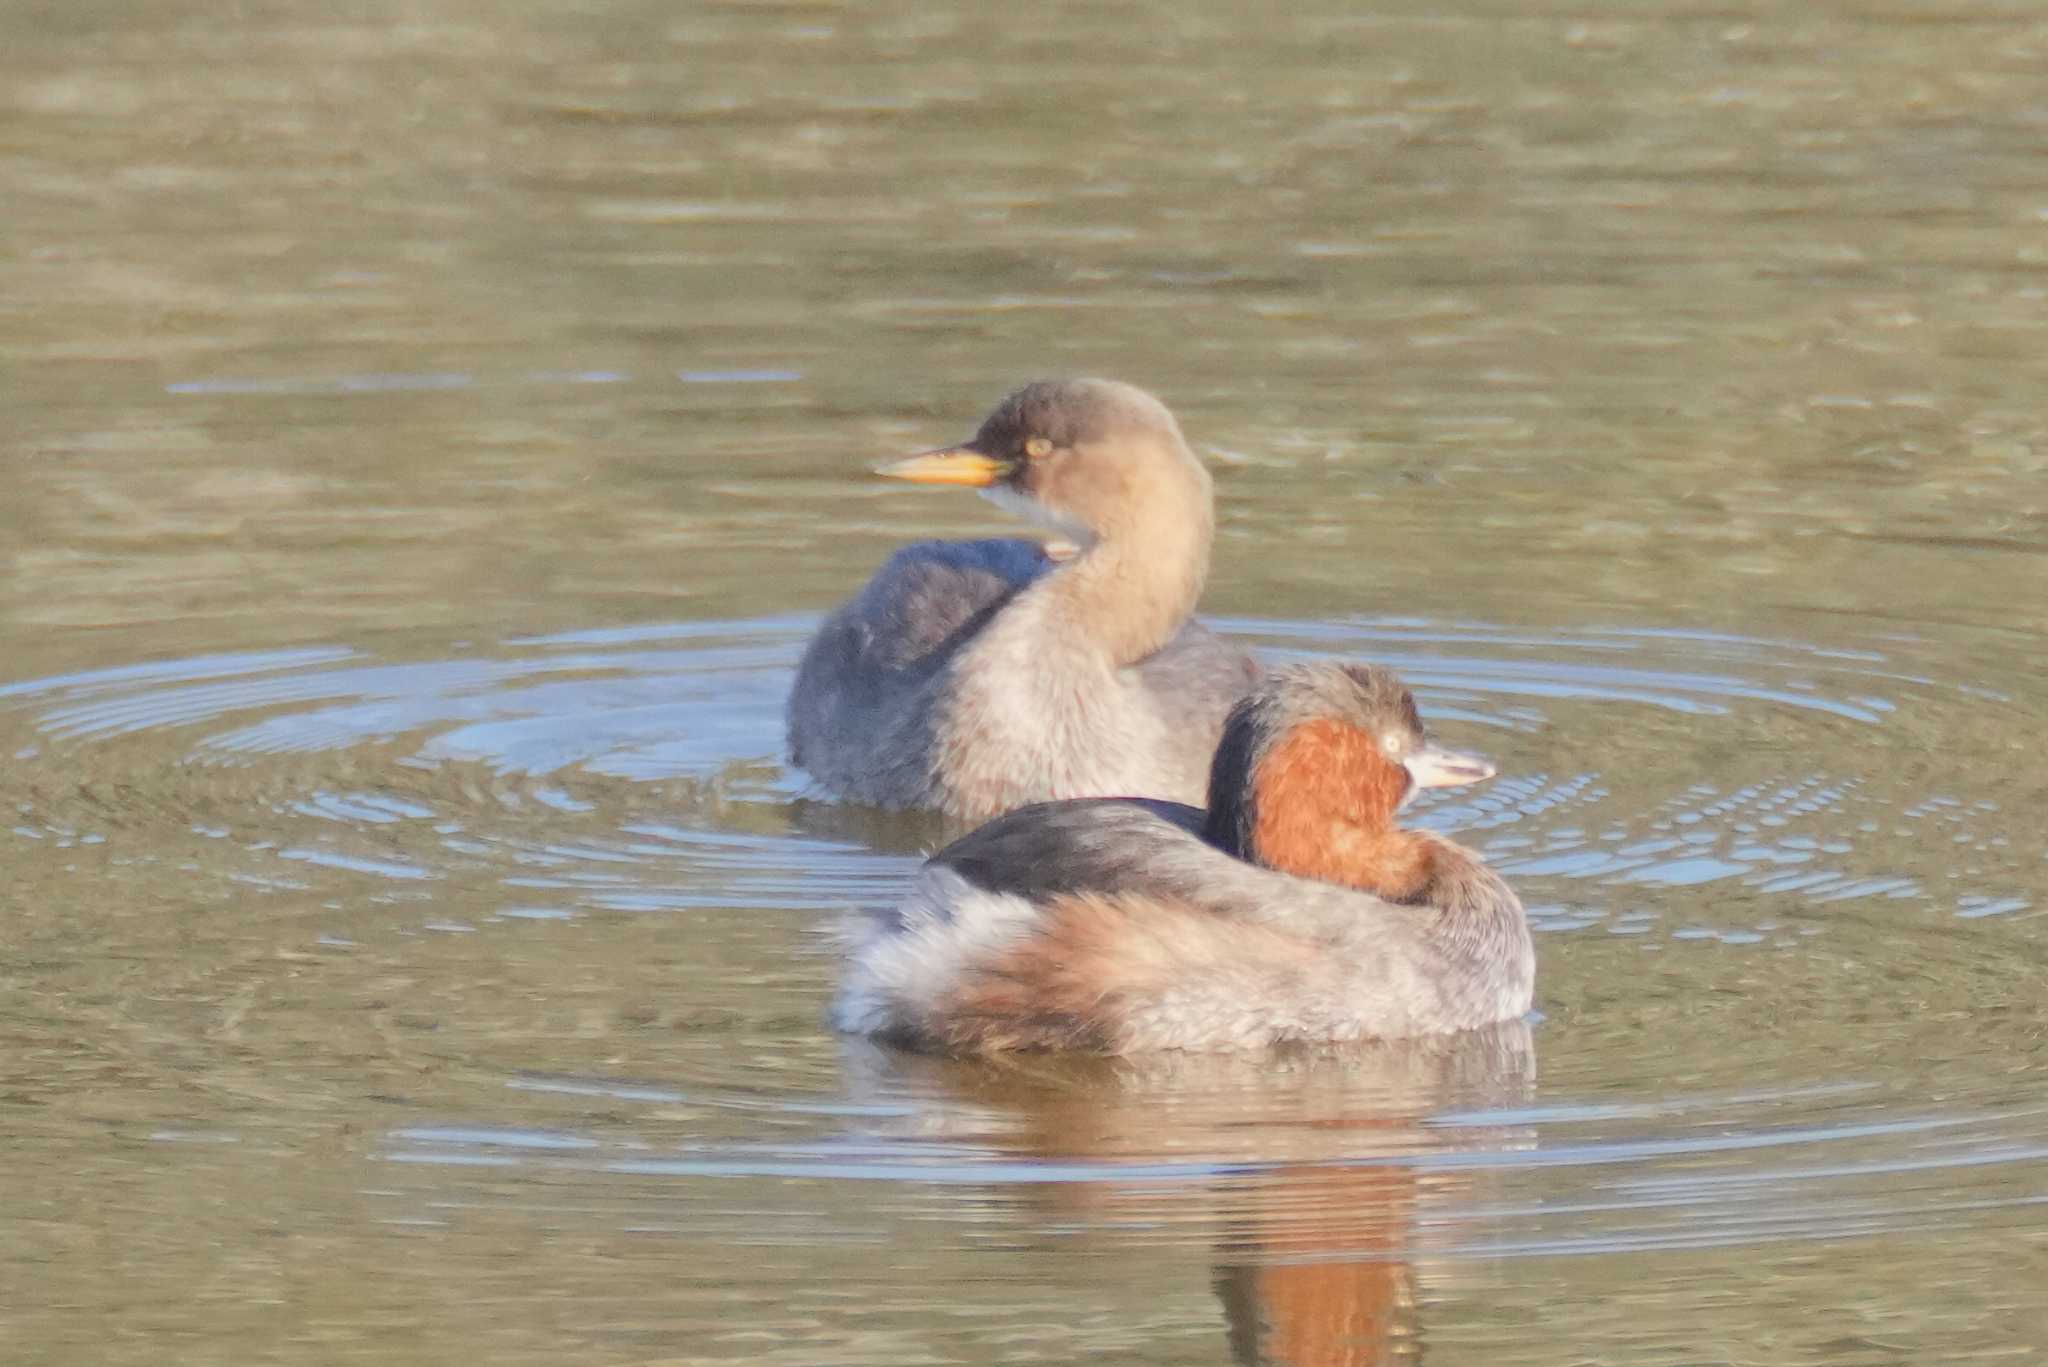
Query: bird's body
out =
(973, 677)
(1292, 910)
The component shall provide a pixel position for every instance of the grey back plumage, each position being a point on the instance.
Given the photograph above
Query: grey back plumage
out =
(1101, 845)
(860, 714)
(871, 687)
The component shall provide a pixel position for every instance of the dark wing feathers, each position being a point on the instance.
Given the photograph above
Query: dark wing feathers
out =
(1098, 845)
(854, 718)
(930, 594)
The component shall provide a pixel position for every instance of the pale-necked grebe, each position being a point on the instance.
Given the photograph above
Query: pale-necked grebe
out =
(977, 676)
(1293, 909)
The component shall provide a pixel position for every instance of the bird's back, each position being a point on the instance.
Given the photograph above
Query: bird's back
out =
(873, 692)
(1194, 679)
(1090, 845)
(976, 956)
(860, 712)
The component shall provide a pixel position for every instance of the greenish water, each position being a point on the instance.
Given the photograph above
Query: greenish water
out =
(433, 429)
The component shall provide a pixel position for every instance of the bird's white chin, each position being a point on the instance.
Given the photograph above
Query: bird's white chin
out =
(1028, 509)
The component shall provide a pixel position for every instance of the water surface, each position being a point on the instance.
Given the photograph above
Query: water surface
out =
(434, 431)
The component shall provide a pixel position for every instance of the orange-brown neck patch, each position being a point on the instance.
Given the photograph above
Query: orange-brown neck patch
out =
(1324, 798)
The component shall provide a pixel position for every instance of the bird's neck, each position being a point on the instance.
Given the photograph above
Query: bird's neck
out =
(1321, 805)
(1130, 590)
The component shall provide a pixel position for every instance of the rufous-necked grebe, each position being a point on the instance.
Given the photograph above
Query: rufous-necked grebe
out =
(976, 676)
(1293, 909)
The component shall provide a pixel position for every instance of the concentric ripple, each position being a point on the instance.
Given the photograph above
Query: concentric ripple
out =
(1319, 1155)
(1727, 844)
(639, 769)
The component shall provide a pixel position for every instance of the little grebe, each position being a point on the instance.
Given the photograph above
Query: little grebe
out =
(976, 676)
(1294, 909)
